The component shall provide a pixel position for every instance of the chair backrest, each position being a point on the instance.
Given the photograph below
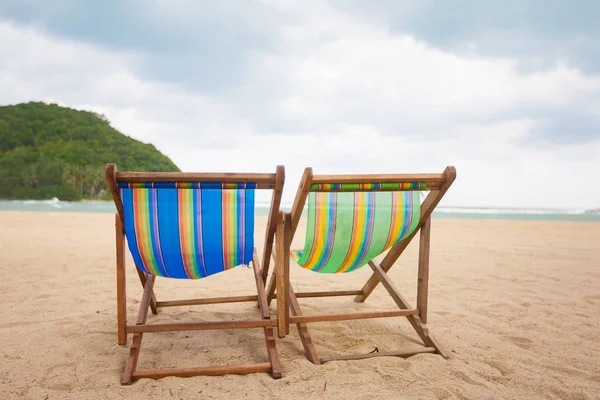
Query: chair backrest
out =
(351, 223)
(354, 218)
(189, 226)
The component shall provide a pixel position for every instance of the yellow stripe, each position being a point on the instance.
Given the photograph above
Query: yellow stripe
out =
(397, 220)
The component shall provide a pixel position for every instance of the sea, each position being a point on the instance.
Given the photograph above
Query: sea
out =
(525, 214)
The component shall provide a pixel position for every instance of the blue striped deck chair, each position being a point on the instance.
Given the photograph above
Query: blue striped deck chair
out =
(191, 226)
(351, 220)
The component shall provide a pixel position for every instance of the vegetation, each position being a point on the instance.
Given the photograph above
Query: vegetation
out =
(50, 151)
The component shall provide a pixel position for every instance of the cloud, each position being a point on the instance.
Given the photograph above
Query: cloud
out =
(541, 34)
(322, 87)
(200, 45)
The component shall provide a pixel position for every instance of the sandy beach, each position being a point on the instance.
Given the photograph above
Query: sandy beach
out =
(515, 303)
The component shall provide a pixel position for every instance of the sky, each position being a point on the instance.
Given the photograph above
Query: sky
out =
(507, 92)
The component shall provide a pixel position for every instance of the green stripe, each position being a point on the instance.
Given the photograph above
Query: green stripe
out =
(310, 229)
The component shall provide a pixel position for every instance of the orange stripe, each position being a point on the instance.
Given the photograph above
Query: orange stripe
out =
(358, 227)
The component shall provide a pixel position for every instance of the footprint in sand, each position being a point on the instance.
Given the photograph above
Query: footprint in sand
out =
(501, 367)
(461, 375)
(522, 342)
(441, 394)
(60, 377)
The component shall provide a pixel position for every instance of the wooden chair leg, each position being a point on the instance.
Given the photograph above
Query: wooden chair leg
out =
(272, 221)
(270, 291)
(280, 279)
(136, 345)
(423, 274)
(402, 303)
(287, 223)
(393, 254)
(264, 308)
(276, 370)
(143, 278)
(305, 338)
(121, 283)
(271, 287)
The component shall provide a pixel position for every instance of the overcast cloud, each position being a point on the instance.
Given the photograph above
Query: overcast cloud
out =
(509, 93)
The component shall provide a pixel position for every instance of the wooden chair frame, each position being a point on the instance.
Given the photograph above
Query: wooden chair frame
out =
(437, 185)
(263, 181)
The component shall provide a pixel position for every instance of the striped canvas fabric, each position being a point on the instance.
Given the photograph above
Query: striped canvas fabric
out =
(186, 185)
(185, 233)
(347, 230)
(368, 186)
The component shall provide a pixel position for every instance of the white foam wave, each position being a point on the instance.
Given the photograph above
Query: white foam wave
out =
(53, 202)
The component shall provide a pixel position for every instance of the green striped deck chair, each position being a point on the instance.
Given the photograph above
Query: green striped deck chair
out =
(191, 226)
(351, 220)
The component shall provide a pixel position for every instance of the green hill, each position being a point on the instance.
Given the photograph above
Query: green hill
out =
(51, 151)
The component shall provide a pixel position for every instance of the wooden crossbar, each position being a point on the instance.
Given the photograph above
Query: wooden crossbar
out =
(136, 177)
(240, 369)
(380, 178)
(212, 300)
(201, 326)
(346, 317)
(326, 294)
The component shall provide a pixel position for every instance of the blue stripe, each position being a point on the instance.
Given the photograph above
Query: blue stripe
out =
(407, 201)
(168, 228)
(211, 185)
(163, 185)
(127, 196)
(212, 221)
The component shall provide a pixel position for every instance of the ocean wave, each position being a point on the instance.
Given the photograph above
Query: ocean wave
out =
(53, 202)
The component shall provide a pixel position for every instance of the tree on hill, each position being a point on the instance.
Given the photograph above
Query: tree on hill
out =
(51, 151)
